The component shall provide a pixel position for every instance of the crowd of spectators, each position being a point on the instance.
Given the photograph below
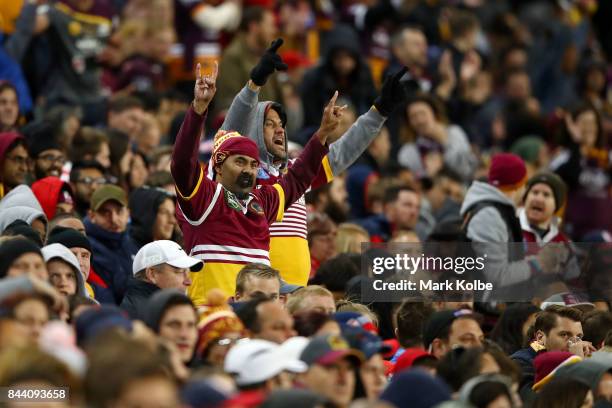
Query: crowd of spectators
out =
(170, 245)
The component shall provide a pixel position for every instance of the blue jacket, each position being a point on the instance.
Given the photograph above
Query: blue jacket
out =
(112, 258)
(379, 228)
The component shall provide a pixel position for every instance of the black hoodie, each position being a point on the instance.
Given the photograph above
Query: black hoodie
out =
(144, 203)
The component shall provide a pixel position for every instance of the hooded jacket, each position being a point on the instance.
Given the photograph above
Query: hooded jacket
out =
(136, 297)
(490, 234)
(80, 282)
(47, 191)
(319, 83)
(20, 204)
(144, 203)
(112, 258)
(246, 116)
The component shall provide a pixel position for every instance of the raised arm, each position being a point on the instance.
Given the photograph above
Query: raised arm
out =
(355, 141)
(185, 166)
(241, 112)
(303, 171)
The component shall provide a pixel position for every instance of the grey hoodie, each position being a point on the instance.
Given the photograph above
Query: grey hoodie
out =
(246, 116)
(20, 204)
(457, 155)
(588, 372)
(489, 234)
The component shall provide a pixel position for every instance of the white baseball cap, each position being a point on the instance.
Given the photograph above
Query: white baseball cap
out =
(243, 350)
(164, 252)
(261, 362)
(59, 251)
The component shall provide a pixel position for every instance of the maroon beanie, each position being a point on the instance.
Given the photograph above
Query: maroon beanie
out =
(507, 171)
(546, 364)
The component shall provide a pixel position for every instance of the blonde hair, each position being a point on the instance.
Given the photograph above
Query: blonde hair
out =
(348, 238)
(296, 299)
(348, 306)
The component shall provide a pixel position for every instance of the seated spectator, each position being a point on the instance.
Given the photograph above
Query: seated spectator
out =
(218, 329)
(20, 256)
(21, 204)
(557, 328)
(596, 325)
(266, 319)
(257, 280)
(321, 236)
(370, 378)
(594, 372)
(401, 206)
(437, 145)
(152, 216)
(106, 226)
(488, 390)
(92, 145)
(33, 312)
(331, 368)
(70, 221)
(78, 244)
(158, 265)
(349, 238)
(334, 274)
(64, 270)
(14, 161)
(125, 115)
(461, 364)
(510, 331)
(312, 297)
(448, 329)
(172, 316)
(564, 392)
(410, 318)
(85, 178)
(9, 107)
(45, 151)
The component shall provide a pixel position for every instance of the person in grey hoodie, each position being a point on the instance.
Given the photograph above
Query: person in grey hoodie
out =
(21, 204)
(490, 221)
(265, 123)
(64, 270)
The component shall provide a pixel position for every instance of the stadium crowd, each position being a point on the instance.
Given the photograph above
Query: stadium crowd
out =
(192, 192)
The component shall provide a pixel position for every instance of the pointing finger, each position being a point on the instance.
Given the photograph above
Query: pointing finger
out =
(276, 45)
(198, 71)
(332, 101)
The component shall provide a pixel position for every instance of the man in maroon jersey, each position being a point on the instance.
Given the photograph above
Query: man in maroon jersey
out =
(226, 221)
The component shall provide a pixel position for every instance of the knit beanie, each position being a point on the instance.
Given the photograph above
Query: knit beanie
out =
(546, 365)
(68, 237)
(12, 249)
(528, 148)
(216, 319)
(556, 184)
(507, 171)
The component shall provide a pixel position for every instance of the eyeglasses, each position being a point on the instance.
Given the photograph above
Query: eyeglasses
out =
(19, 160)
(52, 158)
(92, 180)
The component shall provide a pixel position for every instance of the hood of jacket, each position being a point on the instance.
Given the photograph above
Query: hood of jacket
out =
(47, 191)
(481, 191)
(588, 372)
(144, 204)
(6, 140)
(255, 131)
(20, 204)
(342, 37)
(159, 303)
(553, 230)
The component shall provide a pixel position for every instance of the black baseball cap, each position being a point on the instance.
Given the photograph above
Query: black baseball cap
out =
(439, 321)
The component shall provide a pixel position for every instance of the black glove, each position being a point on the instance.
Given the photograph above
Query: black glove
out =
(268, 63)
(393, 92)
